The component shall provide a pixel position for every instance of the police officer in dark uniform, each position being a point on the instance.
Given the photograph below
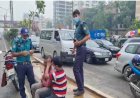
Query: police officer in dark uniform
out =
(81, 36)
(22, 49)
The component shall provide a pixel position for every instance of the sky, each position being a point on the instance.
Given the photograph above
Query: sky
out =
(23, 6)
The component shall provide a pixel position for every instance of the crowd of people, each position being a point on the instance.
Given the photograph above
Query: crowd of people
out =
(53, 83)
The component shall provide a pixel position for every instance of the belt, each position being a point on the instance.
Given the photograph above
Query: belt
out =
(24, 63)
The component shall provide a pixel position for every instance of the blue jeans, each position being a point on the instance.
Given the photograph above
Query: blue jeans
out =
(22, 71)
(78, 67)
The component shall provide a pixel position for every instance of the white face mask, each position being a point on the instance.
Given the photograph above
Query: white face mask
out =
(76, 20)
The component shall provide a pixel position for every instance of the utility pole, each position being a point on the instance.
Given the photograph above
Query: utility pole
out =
(11, 13)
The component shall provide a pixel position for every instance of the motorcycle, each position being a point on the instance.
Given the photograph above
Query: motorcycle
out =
(135, 80)
(10, 69)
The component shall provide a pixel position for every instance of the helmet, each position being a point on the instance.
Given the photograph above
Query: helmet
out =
(136, 60)
(24, 31)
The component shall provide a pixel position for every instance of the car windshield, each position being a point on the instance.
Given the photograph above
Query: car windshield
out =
(107, 43)
(91, 44)
(67, 35)
(131, 41)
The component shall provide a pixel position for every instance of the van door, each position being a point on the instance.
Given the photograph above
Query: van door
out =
(47, 43)
(56, 44)
(42, 40)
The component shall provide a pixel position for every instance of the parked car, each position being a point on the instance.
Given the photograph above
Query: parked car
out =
(120, 42)
(108, 45)
(124, 56)
(131, 40)
(35, 41)
(57, 42)
(96, 54)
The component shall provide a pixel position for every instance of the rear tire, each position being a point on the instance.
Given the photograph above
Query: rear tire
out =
(89, 59)
(15, 83)
(126, 73)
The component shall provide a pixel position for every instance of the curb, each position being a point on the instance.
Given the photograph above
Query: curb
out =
(88, 87)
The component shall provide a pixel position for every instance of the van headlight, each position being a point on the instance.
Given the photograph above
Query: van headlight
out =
(97, 53)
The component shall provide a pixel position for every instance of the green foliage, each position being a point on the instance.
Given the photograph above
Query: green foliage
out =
(40, 6)
(25, 23)
(108, 16)
(135, 24)
(11, 34)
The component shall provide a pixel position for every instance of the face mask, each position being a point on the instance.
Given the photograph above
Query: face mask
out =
(76, 20)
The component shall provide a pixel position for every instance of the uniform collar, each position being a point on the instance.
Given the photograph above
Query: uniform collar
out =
(78, 23)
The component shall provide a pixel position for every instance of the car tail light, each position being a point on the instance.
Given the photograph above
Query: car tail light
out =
(118, 55)
(9, 66)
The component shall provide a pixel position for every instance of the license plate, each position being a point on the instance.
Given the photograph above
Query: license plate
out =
(106, 59)
(10, 72)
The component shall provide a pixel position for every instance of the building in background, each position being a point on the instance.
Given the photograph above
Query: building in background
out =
(62, 14)
(138, 9)
(84, 4)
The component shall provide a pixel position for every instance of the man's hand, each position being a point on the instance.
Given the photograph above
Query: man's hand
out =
(31, 52)
(77, 43)
(24, 53)
(73, 51)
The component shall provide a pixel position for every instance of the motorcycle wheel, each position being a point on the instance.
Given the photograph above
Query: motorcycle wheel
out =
(134, 92)
(15, 83)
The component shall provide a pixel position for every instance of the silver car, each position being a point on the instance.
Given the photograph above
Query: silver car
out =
(124, 56)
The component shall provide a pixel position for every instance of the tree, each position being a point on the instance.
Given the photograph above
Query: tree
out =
(40, 6)
(108, 16)
(135, 24)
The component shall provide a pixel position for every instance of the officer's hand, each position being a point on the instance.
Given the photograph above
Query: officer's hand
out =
(73, 51)
(25, 53)
(31, 52)
(77, 43)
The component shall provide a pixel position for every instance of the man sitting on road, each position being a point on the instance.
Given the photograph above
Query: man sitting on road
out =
(58, 80)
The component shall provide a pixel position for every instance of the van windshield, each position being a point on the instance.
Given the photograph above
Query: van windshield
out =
(67, 35)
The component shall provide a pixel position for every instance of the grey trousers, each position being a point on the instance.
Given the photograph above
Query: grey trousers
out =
(38, 91)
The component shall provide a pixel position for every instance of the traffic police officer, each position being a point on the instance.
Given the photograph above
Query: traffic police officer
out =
(22, 49)
(81, 36)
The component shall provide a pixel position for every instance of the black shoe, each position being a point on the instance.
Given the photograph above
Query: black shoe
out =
(79, 93)
(75, 90)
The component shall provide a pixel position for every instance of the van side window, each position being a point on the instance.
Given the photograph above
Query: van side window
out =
(56, 36)
(48, 35)
(42, 35)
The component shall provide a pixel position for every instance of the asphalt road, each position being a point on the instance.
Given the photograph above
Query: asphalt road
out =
(104, 78)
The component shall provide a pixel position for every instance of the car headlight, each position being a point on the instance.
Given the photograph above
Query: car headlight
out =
(97, 53)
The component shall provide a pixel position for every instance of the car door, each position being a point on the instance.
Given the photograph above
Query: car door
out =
(127, 54)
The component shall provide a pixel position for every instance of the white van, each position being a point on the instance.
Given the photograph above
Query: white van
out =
(57, 42)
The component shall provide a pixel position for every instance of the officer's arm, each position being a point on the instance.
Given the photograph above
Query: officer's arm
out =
(14, 50)
(87, 33)
(31, 48)
(16, 54)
